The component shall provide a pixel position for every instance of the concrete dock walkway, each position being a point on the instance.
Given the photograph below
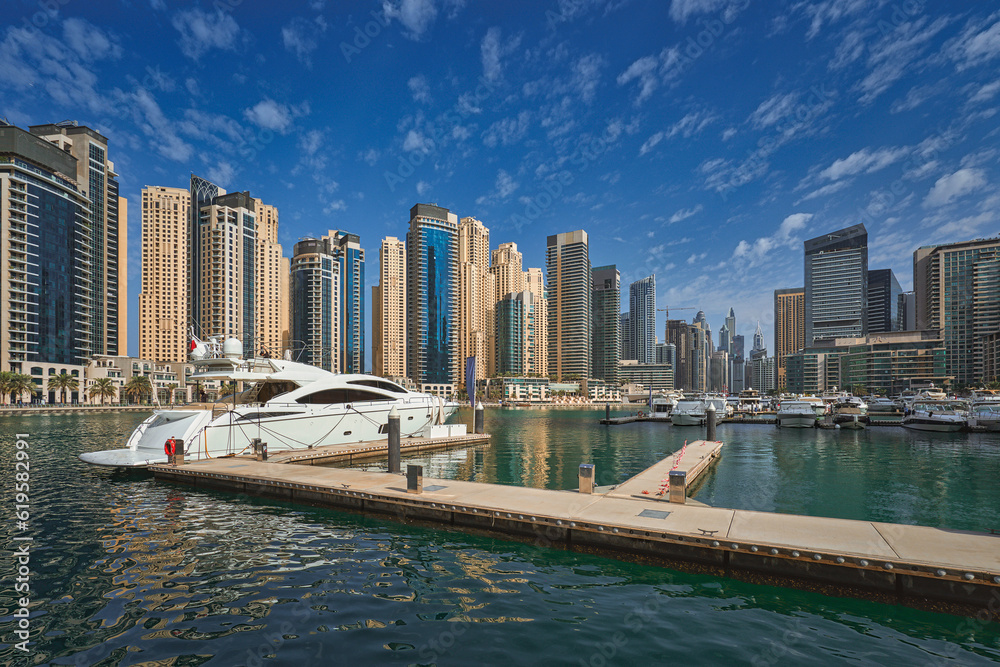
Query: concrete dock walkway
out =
(949, 570)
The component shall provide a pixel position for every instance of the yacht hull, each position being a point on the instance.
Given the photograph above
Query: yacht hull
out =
(793, 421)
(686, 419)
(932, 425)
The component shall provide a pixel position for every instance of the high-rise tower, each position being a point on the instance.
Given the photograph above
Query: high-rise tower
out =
(567, 265)
(789, 327)
(836, 289)
(642, 318)
(315, 292)
(389, 311)
(476, 299)
(346, 248)
(607, 335)
(164, 302)
(432, 355)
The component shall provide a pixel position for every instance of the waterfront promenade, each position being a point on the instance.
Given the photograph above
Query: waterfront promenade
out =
(948, 570)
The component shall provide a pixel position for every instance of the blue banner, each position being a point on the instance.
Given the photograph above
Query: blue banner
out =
(470, 380)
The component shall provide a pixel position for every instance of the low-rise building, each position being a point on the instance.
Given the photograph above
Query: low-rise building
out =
(526, 389)
(658, 376)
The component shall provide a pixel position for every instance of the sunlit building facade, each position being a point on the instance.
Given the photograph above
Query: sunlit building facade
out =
(567, 266)
(389, 311)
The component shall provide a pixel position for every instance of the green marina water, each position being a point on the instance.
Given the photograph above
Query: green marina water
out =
(128, 571)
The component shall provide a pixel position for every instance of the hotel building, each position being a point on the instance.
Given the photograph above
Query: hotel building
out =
(836, 284)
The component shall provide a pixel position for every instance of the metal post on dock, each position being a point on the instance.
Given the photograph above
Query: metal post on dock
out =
(394, 449)
(479, 424)
(586, 478)
(414, 479)
(710, 418)
(678, 486)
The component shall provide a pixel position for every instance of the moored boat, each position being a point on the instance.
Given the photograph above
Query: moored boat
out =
(935, 415)
(796, 414)
(289, 406)
(850, 412)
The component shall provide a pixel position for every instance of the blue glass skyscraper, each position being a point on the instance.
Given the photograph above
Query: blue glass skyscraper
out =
(350, 256)
(432, 296)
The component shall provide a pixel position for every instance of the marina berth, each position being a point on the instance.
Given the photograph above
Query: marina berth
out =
(935, 415)
(796, 414)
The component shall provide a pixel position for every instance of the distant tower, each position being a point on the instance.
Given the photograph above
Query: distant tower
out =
(476, 297)
(315, 286)
(758, 339)
(642, 315)
(389, 311)
(789, 327)
(350, 256)
(607, 343)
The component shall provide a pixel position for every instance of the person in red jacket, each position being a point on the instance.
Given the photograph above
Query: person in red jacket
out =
(170, 449)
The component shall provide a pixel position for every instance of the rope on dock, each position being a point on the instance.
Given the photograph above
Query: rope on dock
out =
(665, 484)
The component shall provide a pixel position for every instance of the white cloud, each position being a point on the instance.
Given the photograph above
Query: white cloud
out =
(507, 131)
(892, 55)
(419, 88)
(829, 11)
(202, 31)
(681, 10)
(416, 141)
(335, 205)
(222, 174)
(493, 50)
(760, 252)
(370, 156)
(865, 160)
(986, 92)
(423, 187)
(685, 213)
(415, 15)
(161, 131)
(270, 115)
(977, 45)
(728, 133)
(826, 190)
(89, 41)
(773, 110)
(587, 74)
(643, 69)
(953, 186)
(506, 185)
(793, 223)
(650, 143)
(301, 37)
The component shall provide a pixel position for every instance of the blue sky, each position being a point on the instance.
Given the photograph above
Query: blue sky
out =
(700, 140)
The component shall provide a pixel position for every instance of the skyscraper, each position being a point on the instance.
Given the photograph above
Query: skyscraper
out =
(202, 192)
(164, 302)
(678, 334)
(107, 235)
(517, 315)
(534, 282)
(836, 289)
(475, 294)
(958, 292)
(46, 286)
(731, 327)
(789, 327)
(606, 301)
(432, 355)
(883, 301)
(567, 266)
(628, 346)
(226, 274)
(315, 284)
(346, 247)
(642, 318)
(273, 298)
(389, 311)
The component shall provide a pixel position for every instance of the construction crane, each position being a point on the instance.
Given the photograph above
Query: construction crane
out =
(666, 312)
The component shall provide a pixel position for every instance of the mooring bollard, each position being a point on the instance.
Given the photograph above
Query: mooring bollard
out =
(393, 430)
(710, 418)
(479, 423)
(586, 478)
(678, 486)
(414, 479)
(255, 448)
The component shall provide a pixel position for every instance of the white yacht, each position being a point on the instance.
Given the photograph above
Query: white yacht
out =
(689, 412)
(882, 404)
(289, 406)
(986, 414)
(850, 412)
(796, 414)
(935, 415)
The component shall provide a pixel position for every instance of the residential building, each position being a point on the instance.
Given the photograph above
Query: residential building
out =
(47, 283)
(202, 192)
(907, 311)
(346, 248)
(389, 311)
(958, 292)
(642, 318)
(739, 365)
(991, 357)
(476, 297)
(518, 353)
(606, 322)
(567, 265)
(507, 268)
(106, 235)
(731, 328)
(678, 334)
(658, 376)
(625, 326)
(718, 371)
(432, 354)
(526, 389)
(666, 353)
(273, 298)
(315, 286)
(534, 282)
(227, 236)
(836, 284)
(883, 301)
(164, 301)
(789, 327)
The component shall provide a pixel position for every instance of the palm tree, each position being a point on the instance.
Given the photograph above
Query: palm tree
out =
(20, 384)
(5, 378)
(172, 387)
(137, 387)
(63, 382)
(226, 388)
(103, 388)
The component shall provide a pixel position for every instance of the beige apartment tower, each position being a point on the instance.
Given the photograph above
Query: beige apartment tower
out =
(475, 294)
(789, 327)
(389, 311)
(567, 268)
(273, 300)
(163, 299)
(534, 282)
